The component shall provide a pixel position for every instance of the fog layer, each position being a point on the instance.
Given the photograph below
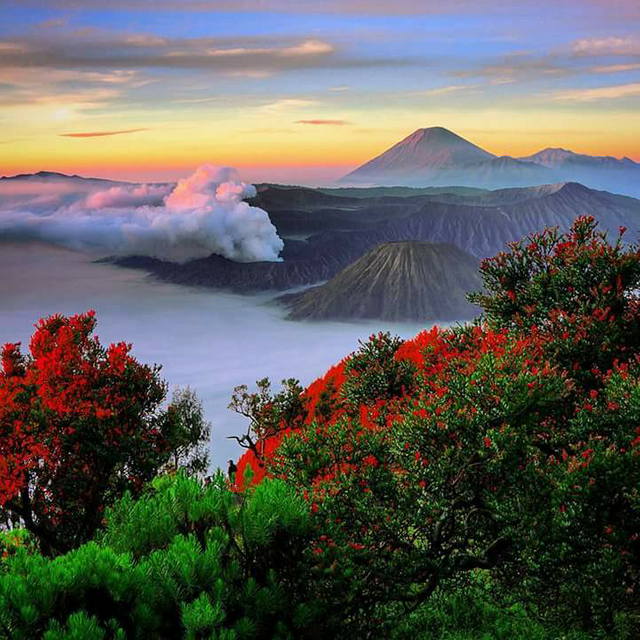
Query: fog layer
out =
(207, 340)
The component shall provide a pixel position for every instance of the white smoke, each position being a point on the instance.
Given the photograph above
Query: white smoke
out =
(127, 196)
(201, 215)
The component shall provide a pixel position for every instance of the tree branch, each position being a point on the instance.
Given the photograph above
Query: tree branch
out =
(487, 559)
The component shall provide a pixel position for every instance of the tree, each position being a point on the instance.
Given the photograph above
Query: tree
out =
(510, 446)
(575, 290)
(189, 437)
(182, 561)
(80, 424)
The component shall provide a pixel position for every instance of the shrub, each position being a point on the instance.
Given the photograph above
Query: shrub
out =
(510, 447)
(182, 561)
(80, 424)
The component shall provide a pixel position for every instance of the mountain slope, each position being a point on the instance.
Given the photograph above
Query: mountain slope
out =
(480, 225)
(600, 172)
(437, 157)
(557, 157)
(421, 153)
(395, 281)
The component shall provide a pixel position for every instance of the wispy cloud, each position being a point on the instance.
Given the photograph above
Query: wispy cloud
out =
(338, 123)
(97, 134)
(340, 7)
(518, 67)
(287, 104)
(52, 23)
(616, 68)
(612, 46)
(91, 49)
(600, 93)
(451, 88)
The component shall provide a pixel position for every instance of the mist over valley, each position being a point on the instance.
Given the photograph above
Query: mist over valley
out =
(210, 341)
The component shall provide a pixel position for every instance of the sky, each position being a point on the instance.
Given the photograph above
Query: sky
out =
(302, 91)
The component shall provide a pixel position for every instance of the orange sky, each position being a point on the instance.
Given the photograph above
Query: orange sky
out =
(308, 93)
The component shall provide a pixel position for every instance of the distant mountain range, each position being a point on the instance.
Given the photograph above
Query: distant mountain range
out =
(437, 157)
(323, 233)
(395, 281)
(326, 232)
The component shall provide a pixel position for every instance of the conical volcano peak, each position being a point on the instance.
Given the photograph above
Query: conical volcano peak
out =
(425, 149)
(440, 138)
(402, 280)
(434, 134)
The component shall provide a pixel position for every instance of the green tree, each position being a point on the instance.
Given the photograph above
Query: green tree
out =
(182, 561)
(510, 447)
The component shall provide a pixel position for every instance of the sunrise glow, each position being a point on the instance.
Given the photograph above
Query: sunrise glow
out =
(307, 91)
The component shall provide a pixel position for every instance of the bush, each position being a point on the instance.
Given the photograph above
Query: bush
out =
(80, 424)
(509, 447)
(183, 561)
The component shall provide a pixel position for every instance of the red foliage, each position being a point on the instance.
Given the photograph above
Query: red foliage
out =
(432, 352)
(332, 381)
(76, 424)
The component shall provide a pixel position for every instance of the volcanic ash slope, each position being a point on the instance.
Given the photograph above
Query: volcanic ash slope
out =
(396, 281)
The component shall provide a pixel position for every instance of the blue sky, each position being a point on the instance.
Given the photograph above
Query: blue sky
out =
(327, 84)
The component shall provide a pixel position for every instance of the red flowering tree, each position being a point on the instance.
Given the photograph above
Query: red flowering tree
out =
(511, 446)
(79, 425)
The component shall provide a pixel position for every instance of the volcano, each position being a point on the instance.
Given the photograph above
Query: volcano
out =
(395, 281)
(437, 157)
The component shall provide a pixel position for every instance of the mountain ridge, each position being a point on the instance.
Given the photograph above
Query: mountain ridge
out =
(446, 158)
(320, 239)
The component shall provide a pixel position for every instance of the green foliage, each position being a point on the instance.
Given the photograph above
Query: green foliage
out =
(575, 288)
(470, 615)
(374, 374)
(183, 561)
(189, 432)
(80, 424)
(268, 414)
(510, 446)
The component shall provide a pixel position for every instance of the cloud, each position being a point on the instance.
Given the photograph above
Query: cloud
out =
(286, 104)
(517, 67)
(127, 196)
(439, 91)
(97, 134)
(308, 48)
(600, 93)
(80, 88)
(12, 48)
(340, 7)
(620, 9)
(612, 46)
(323, 122)
(52, 23)
(94, 49)
(203, 214)
(616, 68)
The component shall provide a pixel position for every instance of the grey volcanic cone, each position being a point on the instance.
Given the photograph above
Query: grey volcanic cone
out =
(396, 281)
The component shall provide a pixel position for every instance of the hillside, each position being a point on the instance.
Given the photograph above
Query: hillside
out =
(324, 237)
(395, 281)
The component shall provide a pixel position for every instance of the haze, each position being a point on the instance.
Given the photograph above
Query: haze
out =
(207, 340)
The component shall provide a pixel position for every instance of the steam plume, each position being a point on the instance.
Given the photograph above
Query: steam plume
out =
(203, 214)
